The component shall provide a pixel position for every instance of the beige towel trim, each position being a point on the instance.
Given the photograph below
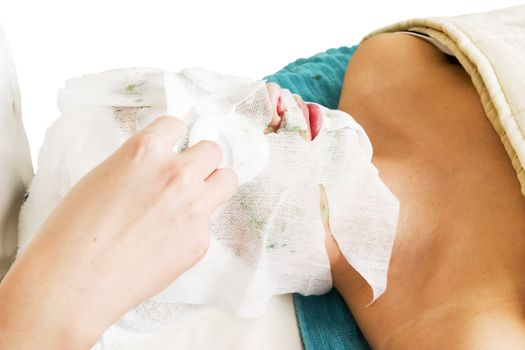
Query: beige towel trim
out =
(484, 78)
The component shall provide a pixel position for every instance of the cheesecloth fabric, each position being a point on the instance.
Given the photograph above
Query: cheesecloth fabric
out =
(268, 239)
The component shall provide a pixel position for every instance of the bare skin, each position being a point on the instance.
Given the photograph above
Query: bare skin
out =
(456, 277)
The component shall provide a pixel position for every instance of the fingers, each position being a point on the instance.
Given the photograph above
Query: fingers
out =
(200, 160)
(209, 188)
(170, 129)
(220, 186)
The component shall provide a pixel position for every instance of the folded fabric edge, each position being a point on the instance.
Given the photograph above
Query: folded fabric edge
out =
(484, 78)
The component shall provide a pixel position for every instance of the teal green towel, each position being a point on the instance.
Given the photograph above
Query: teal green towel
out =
(318, 78)
(324, 321)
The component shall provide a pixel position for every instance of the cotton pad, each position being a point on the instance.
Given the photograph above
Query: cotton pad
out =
(268, 239)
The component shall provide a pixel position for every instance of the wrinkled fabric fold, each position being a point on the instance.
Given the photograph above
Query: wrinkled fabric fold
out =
(491, 48)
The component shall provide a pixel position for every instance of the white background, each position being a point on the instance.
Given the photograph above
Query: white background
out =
(55, 40)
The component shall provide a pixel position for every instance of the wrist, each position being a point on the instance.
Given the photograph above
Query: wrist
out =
(34, 314)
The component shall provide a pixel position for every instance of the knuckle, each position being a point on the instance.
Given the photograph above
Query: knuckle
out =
(173, 120)
(181, 125)
(146, 145)
(182, 177)
(197, 209)
(212, 148)
(166, 119)
(185, 177)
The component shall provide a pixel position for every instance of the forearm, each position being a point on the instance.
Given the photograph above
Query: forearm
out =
(36, 312)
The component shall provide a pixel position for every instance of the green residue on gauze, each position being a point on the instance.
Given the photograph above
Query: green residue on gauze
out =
(135, 88)
(258, 224)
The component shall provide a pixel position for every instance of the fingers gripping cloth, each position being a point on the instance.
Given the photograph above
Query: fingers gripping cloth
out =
(268, 239)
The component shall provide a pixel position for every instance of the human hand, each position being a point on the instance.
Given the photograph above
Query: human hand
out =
(123, 233)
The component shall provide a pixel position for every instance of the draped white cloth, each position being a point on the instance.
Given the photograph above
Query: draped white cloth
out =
(16, 169)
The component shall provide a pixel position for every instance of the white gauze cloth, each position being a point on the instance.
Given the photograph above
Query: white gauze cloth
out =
(268, 239)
